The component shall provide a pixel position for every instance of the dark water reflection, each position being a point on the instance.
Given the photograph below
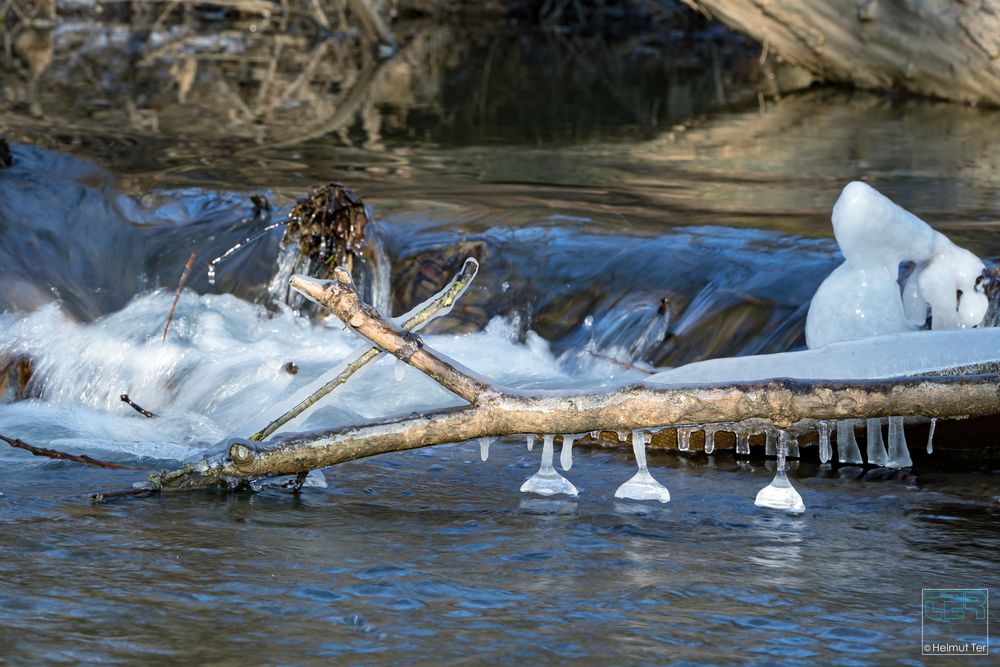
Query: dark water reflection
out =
(433, 557)
(579, 204)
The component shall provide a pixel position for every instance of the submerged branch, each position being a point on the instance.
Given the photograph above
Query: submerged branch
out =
(53, 454)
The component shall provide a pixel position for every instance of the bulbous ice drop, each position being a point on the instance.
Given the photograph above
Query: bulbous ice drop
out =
(399, 370)
(547, 482)
(876, 446)
(709, 440)
(930, 436)
(531, 442)
(642, 485)
(847, 444)
(899, 455)
(566, 455)
(825, 451)
(484, 447)
(780, 494)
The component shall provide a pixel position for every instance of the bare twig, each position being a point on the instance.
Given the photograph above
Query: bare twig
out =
(138, 408)
(340, 296)
(177, 296)
(53, 454)
(442, 302)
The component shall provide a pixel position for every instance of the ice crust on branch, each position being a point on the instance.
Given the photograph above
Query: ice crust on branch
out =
(862, 296)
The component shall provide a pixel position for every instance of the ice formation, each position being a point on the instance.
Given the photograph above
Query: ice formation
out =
(899, 455)
(484, 448)
(847, 444)
(642, 485)
(780, 494)
(547, 482)
(876, 446)
(825, 451)
(566, 455)
(930, 436)
(531, 442)
(862, 297)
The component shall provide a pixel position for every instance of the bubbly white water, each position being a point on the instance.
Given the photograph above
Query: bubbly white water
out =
(222, 372)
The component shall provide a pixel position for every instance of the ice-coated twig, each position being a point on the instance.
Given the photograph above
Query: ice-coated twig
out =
(930, 435)
(177, 296)
(439, 305)
(62, 456)
(138, 408)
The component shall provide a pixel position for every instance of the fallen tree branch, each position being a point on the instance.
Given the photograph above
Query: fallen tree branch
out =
(53, 454)
(494, 411)
(443, 301)
(177, 296)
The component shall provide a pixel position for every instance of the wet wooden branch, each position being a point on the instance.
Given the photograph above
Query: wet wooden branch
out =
(442, 302)
(496, 411)
(340, 296)
(62, 456)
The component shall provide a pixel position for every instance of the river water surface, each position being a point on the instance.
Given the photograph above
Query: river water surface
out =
(583, 221)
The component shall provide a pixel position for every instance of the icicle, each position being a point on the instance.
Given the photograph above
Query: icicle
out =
(484, 447)
(793, 447)
(847, 445)
(769, 449)
(595, 435)
(825, 451)
(642, 485)
(742, 441)
(780, 494)
(622, 436)
(684, 439)
(899, 455)
(566, 455)
(930, 436)
(547, 481)
(531, 442)
(709, 440)
(399, 370)
(876, 446)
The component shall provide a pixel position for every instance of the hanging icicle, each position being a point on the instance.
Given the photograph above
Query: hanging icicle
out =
(780, 494)
(847, 444)
(825, 451)
(899, 455)
(876, 446)
(547, 481)
(642, 485)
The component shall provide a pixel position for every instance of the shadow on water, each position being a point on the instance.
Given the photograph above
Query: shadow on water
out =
(593, 178)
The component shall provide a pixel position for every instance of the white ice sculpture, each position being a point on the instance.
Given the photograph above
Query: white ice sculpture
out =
(547, 482)
(780, 494)
(642, 485)
(862, 297)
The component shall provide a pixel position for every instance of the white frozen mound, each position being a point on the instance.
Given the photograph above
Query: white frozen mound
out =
(862, 296)
(913, 353)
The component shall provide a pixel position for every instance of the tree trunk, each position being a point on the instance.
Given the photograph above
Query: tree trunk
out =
(940, 48)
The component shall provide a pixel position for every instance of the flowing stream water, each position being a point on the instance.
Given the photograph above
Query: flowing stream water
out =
(583, 224)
